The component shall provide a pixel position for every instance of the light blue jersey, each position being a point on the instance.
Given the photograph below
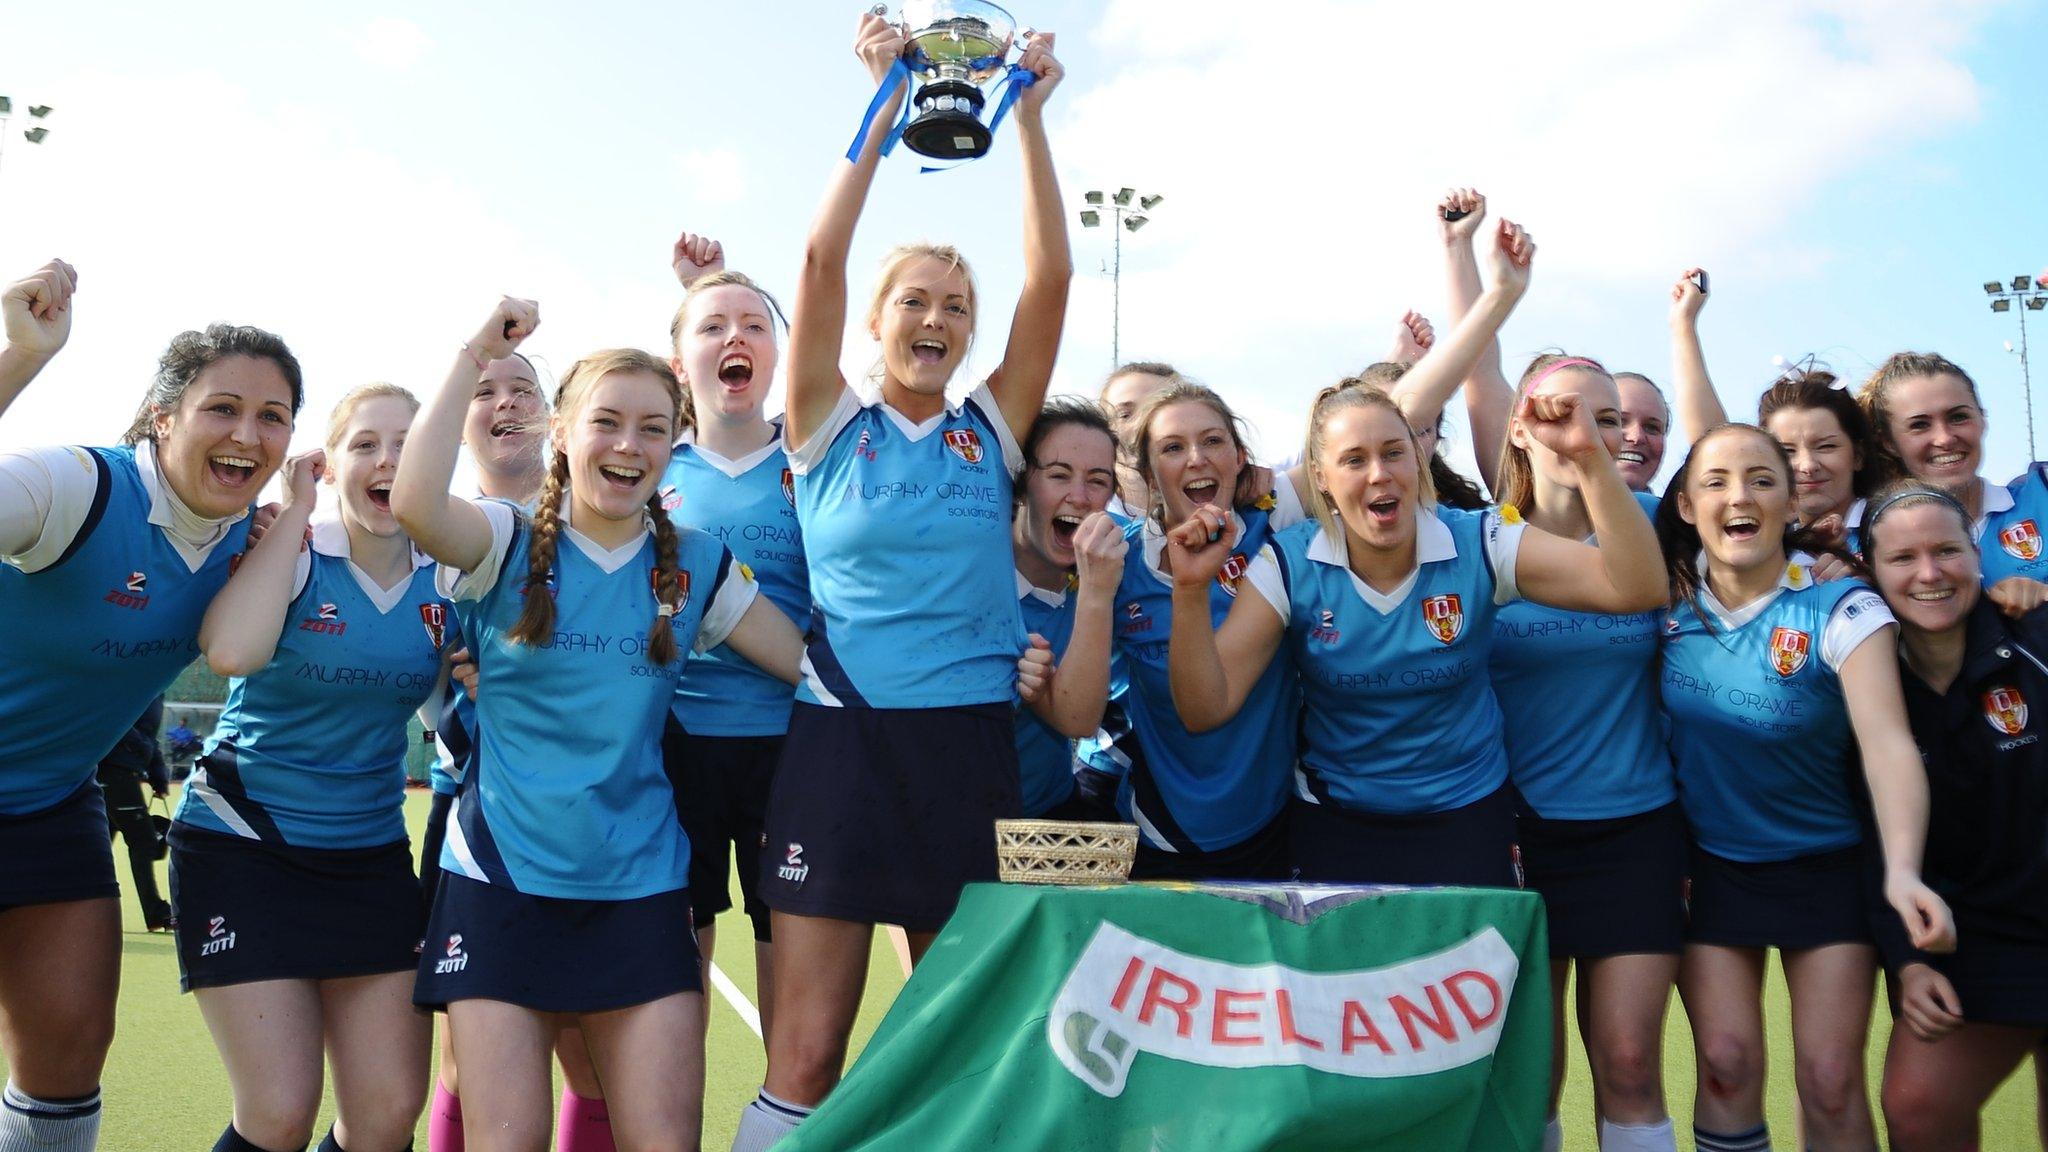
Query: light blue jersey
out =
(96, 631)
(1759, 730)
(1399, 714)
(1578, 701)
(566, 797)
(455, 722)
(310, 751)
(748, 505)
(907, 530)
(1198, 792)
(2010, 531)
(1045, 759)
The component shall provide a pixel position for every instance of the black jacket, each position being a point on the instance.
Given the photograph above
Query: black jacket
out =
(1984, 743)
(138, 753)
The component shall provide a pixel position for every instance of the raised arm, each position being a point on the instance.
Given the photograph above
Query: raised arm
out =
(37, 310)
(817, 327)
(1624, 571)
(1898, 787)
(1213, 670)
(694, 257)
(1489, 398)
(1426, 388)
(1698, 408)
(1019, 382)
(450, 529)
(239, 634)
(1080, 687)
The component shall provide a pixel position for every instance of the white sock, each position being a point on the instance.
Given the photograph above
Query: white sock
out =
(762, 1123)
(1553, 1135)
(1656, 1137)
(31, 1125)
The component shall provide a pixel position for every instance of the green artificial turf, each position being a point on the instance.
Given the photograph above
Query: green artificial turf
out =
(164, 1087)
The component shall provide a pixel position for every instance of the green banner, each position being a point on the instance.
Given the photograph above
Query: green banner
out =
(1169, 1019)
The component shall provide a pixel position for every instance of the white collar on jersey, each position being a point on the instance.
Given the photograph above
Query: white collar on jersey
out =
(190, 533)
(1798, 574)
(330, 538)
(733, 469)
(917, 430)
(1433, 545)
(1154, 541)
(608, 560)
(1046, 596)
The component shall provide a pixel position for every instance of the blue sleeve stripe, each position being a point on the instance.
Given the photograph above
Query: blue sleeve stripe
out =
(103, 484)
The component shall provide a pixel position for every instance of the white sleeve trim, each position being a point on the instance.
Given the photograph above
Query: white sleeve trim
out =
(1856, 618)
(804, 457)
(729, 601)
(302, 571)
(1013, 452)
(1503, 544)
(477, 583)
(1287, 509)
(45, 494)
(1265, 578)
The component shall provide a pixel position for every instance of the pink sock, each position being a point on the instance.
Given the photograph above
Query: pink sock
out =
(444, 1120)
(585, 1125)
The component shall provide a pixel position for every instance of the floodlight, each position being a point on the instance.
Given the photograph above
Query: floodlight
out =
(1090, 218)
(39, 110)
(35, 135)
(2037, 303)
(1123, 196)
(1993, 287)
(6, 105)
(1148, 203)
(1134, 223)
(2001, 305)
(2020, 282)
(1092, 197)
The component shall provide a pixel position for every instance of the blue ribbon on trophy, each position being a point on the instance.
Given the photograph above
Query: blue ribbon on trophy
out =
(957, 46)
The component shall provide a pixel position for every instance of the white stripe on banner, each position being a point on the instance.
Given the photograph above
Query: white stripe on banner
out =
(736, 998)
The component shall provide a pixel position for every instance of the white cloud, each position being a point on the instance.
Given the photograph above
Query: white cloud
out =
(393, 42)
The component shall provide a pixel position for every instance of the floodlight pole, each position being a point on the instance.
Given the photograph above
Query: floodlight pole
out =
(1124, 215)
(2026, 294)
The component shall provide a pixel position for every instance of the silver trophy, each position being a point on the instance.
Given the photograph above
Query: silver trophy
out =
(957, 46)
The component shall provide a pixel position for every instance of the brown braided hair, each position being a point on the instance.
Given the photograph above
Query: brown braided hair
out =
(537, 612)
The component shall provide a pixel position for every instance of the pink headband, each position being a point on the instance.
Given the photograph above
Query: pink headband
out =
(1557, 366)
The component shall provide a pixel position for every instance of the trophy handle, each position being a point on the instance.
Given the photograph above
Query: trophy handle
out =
(879, 10)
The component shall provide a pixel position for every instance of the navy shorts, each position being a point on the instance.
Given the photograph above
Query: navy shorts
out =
(882, 816)
(59, 854)
(721, 785)
(1261, 856)
(251, 911)
(488, 942)
(1610, 887)
(430, 843)
(1471, 846)
(1804, 902)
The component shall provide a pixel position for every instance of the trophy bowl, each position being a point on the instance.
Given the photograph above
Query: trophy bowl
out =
(957, 45)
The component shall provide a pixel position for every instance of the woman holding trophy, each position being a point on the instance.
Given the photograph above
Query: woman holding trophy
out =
(904, 713)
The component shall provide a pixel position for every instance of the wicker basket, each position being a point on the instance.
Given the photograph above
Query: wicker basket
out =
(1063, 852)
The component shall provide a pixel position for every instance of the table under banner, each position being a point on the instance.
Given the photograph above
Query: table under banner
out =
(1170, 1018)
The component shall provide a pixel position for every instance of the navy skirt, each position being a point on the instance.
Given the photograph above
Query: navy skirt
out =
(62, 853)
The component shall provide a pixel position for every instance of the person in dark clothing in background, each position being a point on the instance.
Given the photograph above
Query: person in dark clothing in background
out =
(136, 760)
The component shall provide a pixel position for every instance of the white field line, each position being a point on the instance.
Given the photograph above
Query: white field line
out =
(736, 998)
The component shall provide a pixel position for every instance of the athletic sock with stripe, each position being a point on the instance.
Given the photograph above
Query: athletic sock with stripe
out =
(1553, 1135)
(1657, 1137)
(763, 1122)
(28, 1124)
(1757, 1139)
(233, 1141)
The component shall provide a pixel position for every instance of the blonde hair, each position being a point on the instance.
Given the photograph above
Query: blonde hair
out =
(537, 611)
(345, 410)
(1346, 395)
(1517, 475)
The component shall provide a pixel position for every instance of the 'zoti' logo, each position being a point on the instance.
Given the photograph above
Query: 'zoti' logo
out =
(2022, 540)
(330, 612)
(219, 938)
(1789, 649)
(2005, 710)
(793, 868)
(139, 583)
(455, 958)
(789, 486)
(434, 617)
(965, 443)
(1232, 573)
(671, 498)
(1445, 616)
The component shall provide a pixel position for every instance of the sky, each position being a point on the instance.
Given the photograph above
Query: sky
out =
(366, 181)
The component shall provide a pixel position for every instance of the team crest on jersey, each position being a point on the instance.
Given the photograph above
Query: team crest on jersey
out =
(965, 443)
(2006, 710)
(789, 486)
(1445, 616)
(1232, 573)
(2022, 540)
(434, 617)
(671, 498)
(1789, 649)
(682, 587)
